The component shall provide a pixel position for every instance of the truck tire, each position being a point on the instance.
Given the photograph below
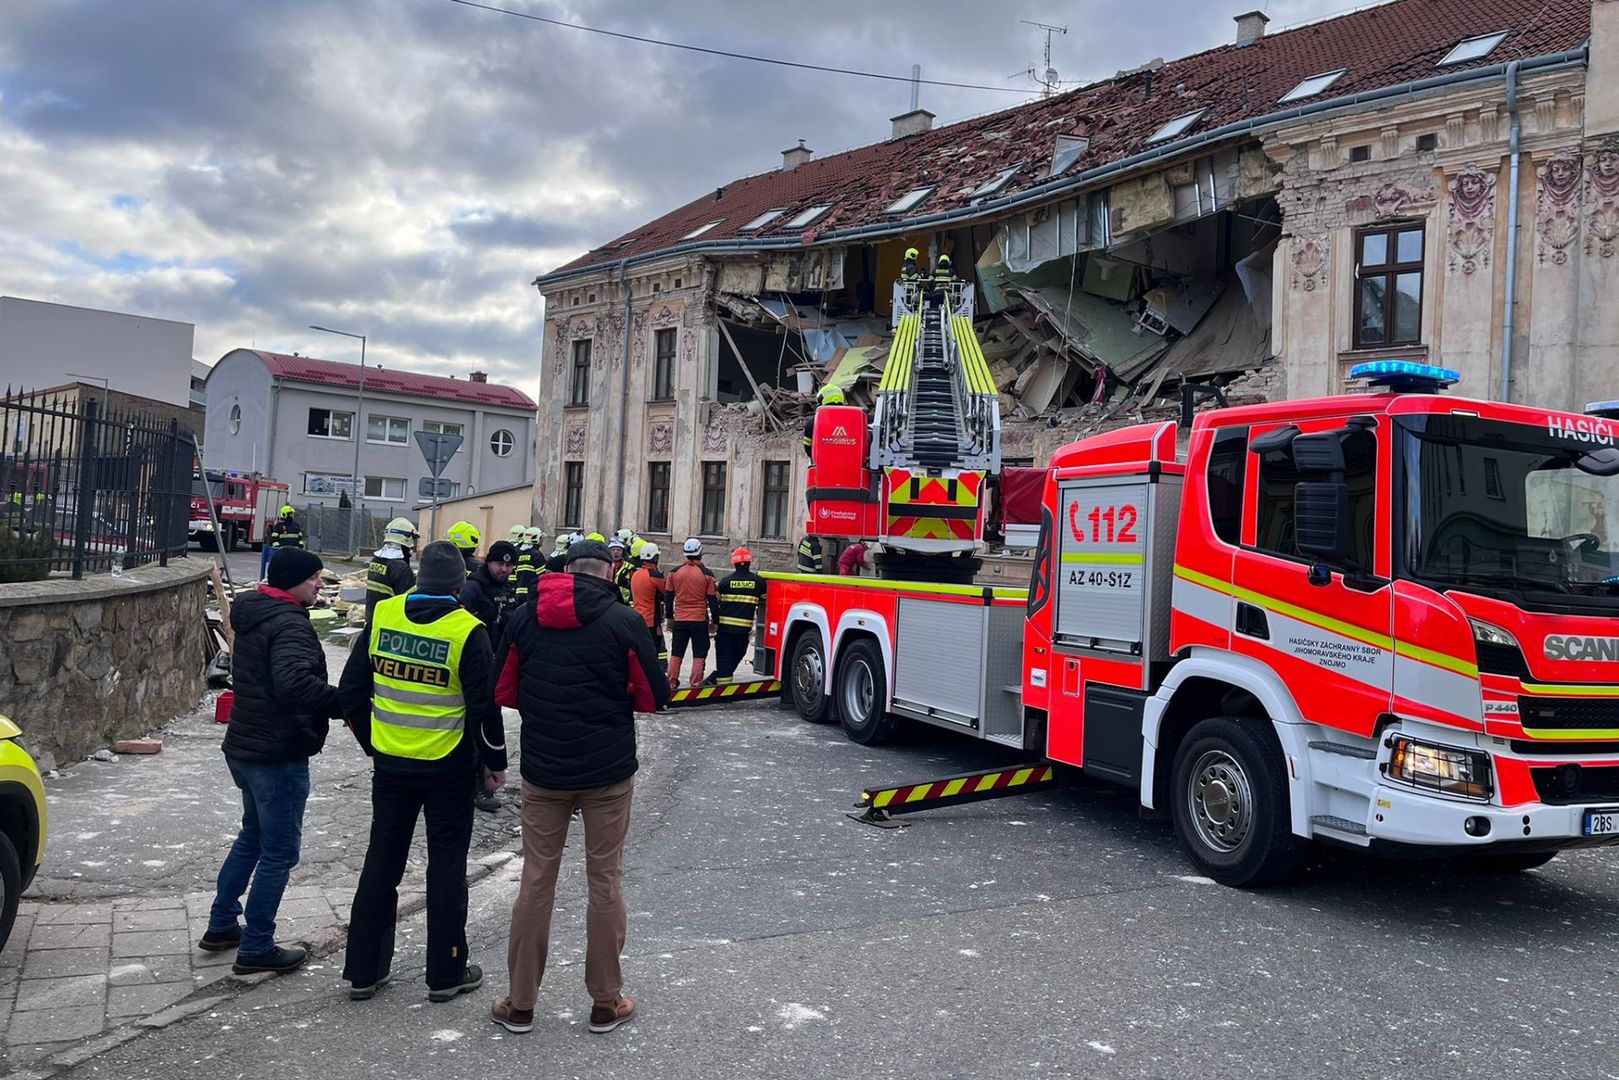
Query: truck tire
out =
(858, 693)
(806, 678)
(230, 538)
(1505, 862)
(209, 541)
(10, 887)
(1230, 805)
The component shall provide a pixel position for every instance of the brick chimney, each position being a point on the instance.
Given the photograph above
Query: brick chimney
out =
(1251, 27)
(479, 376)
(911, 123)
(794, 156)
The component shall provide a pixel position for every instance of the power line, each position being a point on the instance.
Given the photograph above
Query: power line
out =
(733, 55)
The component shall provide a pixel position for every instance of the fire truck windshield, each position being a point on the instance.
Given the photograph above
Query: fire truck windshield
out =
(215, 485)
(1511, 507)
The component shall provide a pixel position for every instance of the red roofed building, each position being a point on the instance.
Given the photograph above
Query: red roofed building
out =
(293, 418)
(1295, 201)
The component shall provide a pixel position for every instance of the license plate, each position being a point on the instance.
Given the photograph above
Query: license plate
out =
(1603, 821)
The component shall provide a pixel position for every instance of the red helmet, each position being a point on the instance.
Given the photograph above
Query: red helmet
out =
(741, 555)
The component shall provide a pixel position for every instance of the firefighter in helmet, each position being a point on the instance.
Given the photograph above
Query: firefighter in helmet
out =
(649, 595)
(389, 573)
(530, 563)
(829, 395)
(623, 568)
(464, 535)
(740, 594)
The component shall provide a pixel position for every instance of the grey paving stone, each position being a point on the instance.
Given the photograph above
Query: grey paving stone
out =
(204, 960)
(151, 943)
(70, 936)
(55, 1026)
(127, 1001)
(66, 993)
(315, 907)
(51, 914)
(164, 903)
(17, 945)
(150, 970)
(26, 1053)
(169, 918)
(57, 963)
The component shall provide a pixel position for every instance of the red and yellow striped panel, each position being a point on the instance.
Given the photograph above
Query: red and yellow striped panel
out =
(961, 785)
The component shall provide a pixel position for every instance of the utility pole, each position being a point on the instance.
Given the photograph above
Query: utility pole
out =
(1047, 77)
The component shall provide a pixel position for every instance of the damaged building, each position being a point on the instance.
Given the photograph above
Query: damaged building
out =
(1427, 179)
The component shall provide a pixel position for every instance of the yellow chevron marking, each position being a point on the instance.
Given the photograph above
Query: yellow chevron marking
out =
(953, 788)
(918, 794)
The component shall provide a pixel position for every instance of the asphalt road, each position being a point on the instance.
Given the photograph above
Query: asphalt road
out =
(1053, 934)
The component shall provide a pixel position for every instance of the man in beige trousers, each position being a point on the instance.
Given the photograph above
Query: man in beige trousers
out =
(577, 666)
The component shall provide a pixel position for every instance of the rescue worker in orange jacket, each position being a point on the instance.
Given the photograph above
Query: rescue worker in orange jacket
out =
(649, 595)
(696, 607)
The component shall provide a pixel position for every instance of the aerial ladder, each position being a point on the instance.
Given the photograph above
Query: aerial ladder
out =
(914, 475)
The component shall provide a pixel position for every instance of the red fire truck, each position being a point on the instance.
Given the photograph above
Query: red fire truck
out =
(246, 505)
(1387, 620)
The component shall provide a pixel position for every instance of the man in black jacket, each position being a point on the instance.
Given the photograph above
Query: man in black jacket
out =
(487, 594)
(279, 720)
(578, 667)
(420, 700)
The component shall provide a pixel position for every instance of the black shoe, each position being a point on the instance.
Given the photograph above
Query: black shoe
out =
(221, 940)
(712, 680)
(278, 959)
(486, 801)
(470, 981)
(366, 993)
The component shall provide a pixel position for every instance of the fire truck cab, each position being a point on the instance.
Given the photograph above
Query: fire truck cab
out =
(1386, 620)
(245, 504)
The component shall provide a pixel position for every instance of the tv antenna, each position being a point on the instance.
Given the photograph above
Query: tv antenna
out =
(1047, 79)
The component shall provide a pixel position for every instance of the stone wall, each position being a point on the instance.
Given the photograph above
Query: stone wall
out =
(85, 663)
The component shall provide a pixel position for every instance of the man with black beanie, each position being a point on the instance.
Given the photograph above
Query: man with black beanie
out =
(278, 721)
(420, 699)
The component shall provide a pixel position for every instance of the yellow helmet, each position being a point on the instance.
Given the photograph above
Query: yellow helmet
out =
(516, 533)
(831, 395)
(464, 535)
(400, 531)
(286, 511)
(944, 262)
(596, 536)
(912, 254)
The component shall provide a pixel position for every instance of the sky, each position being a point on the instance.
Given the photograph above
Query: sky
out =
(405, 168)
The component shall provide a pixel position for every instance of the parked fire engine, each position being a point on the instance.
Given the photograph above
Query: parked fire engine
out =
(245, 503)
(1387, 620)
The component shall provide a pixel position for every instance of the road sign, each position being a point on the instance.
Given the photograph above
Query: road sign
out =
(429, 488)
(438, 449)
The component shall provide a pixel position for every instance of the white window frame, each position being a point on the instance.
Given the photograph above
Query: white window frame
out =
(996, 183)
(236, 419)
(808, 215)
(1066, 151)
(382, 488)
(330, 413)
(762, 220)
(1314, 85)
(388, 421)
(510, 441)
(436, 427)
(701, 229)
(1177, 127)
(1482, 45)
(910, 200)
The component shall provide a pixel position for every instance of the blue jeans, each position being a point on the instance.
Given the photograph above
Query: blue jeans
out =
(264, 561)
(266, 850)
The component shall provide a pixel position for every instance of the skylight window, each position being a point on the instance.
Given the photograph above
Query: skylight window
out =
(1176, 127)
(995, 183)
(909, 201)
(701, 229)
(1067, 150)
(1312, 86)
(806, 216)
(1473, 49)
(762, 220)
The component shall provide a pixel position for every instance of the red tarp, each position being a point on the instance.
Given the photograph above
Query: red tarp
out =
(1021, 489)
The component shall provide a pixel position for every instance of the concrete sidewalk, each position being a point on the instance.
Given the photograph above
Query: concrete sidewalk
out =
(105, 940)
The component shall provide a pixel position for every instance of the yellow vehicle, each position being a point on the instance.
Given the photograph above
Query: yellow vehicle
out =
(22, 823)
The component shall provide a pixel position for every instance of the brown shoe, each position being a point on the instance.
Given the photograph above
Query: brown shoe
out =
(516, 1021)
(604, 1018)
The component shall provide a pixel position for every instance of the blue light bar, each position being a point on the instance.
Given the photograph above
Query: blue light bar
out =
(1607, 409)
(1404, 376)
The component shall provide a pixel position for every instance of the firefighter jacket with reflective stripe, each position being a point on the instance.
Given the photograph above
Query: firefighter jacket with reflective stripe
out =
(529, 564)
(386, 577)
(740, 594)
(621, 578)
(810, 557)
(417, 707)
(285, 532)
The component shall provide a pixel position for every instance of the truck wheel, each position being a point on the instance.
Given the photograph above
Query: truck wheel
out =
(10, 887)
(1505, 862)
(257, 545)
(806, 678)
(209, 541)
(1230, 806)
(230, 538)
(858, 692)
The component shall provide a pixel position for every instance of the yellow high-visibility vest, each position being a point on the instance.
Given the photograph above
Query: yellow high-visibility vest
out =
(417, 707)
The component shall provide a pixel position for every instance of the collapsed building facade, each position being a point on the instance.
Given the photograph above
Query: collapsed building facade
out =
(1435, 180)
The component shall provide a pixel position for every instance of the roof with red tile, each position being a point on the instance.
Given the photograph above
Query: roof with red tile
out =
(388, 381)
(1381, 47)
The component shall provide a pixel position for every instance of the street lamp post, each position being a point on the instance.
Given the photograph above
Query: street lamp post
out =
(355, 485)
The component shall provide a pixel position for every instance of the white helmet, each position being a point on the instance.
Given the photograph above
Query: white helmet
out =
(401, 531)
(626, 535)
(650, 552)
(575, 538)
(616, 543)
(692, 547)
(533, 534)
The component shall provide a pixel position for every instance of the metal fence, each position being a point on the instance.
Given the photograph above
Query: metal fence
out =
(86, 487)
(326, 529)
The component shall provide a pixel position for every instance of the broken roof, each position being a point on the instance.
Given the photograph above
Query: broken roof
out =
(1378, 48)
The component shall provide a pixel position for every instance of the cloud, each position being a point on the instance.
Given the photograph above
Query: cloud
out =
(403, 168)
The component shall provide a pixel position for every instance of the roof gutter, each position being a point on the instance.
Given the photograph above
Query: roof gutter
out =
(1049, 189)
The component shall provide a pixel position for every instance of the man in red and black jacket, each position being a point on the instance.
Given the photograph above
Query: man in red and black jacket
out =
(577, 666)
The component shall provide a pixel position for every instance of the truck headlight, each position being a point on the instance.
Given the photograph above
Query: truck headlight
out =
(1491, 634)
(1446, 769)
